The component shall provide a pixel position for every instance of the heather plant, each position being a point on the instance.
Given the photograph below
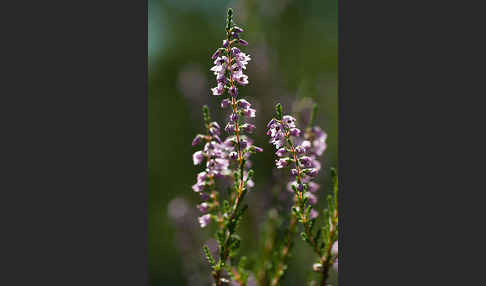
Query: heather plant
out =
(229, 158)
(227, 177)
(300, 151)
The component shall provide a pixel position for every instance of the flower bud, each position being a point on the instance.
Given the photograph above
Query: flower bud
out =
(233, 91)
(203, 207)
(225, 103)
(204, 220)
(237, 29)
(216, 54)
(281, 152)
(197, 139)
(243, 42)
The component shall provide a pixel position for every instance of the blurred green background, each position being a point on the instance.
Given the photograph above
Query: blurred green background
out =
(293, 45)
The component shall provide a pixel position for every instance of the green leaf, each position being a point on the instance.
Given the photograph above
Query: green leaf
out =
(278, 111)
(209, 257)
(205, 110)
(229, 19)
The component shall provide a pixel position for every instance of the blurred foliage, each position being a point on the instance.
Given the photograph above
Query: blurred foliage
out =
(293, 45)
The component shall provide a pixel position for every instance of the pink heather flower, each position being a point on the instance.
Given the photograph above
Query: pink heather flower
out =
(306, 144)
(204, 220)
(218, 90)
(237, 29)
(220, 66)
(247, 127)
(243, 143)
(230, 128)
(313, 214)
(236, 69)
(294, 172)
(336, 265)
(235, 51)
(230, 141)
(240, 77)
(300, 149)
(249, 182)
(234, 117)
(198, 157)
(320, 145)
(242, 59)
(198, 187)
(316, 164)
(271, 123)
(217, 166)
(256, 148)
(243, 103)
(295, 132)
(250, 112)
(203, 207)
(278, 142)
(290, 184)
(281, 152)
(288, 121)
(306, 161)
(276, 133)
(243, 42)
(221, 78)
(216, 54)
(282, 162)
(294, 184)
(313, 187)
(216, 138)
(233, 91)
(225, 103)
(197, 139)
(214, 130)
(201, 177)
(312, 198)
(335, 248)
(319, 140)
(204, 196)
(214, 124)
(312, 172)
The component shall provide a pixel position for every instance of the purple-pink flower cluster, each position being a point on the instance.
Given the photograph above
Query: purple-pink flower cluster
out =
(215, 153)
(228, 68)
(225, 157)
(229, 65)
(299, 152)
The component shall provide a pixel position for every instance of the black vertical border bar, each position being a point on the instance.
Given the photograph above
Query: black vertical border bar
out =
(76, 143)
(340, 139)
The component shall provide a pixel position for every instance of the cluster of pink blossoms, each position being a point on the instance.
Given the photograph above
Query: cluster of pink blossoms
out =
(300, 152)
(229, 63)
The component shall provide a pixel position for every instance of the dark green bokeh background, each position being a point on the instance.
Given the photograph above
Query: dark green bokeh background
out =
(293, 45)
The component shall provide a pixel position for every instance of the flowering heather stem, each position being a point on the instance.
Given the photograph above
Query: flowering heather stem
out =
(229, 65)
(284, 134)
(300, 196)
